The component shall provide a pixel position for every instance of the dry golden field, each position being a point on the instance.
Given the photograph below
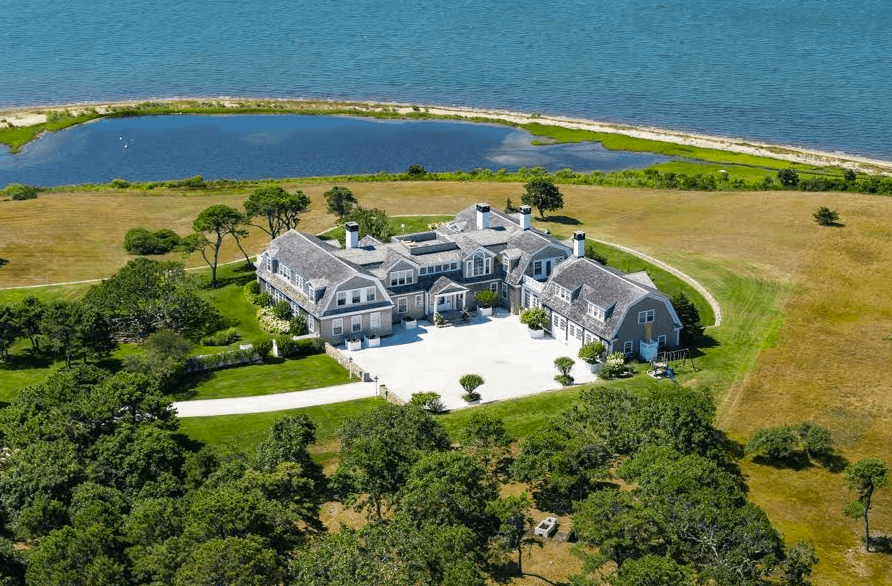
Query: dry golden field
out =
(808, 309)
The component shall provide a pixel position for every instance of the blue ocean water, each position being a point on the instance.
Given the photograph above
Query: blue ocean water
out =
(157, 148)
(813, 73)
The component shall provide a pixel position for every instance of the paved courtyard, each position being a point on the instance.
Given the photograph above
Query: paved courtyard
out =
(498, 348)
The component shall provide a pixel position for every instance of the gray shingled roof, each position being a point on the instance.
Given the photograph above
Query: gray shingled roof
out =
(313, 259)
(601, 285)
(446, 284)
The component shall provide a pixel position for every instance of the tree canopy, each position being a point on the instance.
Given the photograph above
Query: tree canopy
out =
(541, 193)
(211, 227)
(372, 222)
(339, 201)
(278, 208)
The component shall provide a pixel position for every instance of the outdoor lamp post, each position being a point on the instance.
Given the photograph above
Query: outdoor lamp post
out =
(376, 385)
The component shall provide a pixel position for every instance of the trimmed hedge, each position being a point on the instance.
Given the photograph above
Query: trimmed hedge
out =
(289, 347)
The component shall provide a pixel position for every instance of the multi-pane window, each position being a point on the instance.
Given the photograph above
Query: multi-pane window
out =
(661, 342)
(419, 300)
(628, 347)
(337, 327)
(356, 296)
(356, 323)
(401, 278)
(589, 337)
(269, 264)
(479, 265)
(342, 298)
(422, 271)
(493, 286)
(402, 305)
(595, 311)
(646, 317)
(371, 294)
(505, 290)
(562, 292)
(375, 321)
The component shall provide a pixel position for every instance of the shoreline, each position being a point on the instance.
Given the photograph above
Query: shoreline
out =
(29, 116)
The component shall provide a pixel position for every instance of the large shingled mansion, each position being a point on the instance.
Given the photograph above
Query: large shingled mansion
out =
(367, 286)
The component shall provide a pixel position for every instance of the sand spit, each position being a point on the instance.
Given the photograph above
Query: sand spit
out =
(37, 115)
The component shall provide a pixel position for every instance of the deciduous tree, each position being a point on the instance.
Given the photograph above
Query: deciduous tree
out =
(865, 476)
(212, 226)
(372, 222)
(542, 194)
(340, 201)
(281, 210)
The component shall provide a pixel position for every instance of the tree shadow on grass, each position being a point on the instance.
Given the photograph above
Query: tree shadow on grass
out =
(565, 220)
(695, 349)
(797, 462)
(27, 361)
(834, 463)
(881, 544)
(3, 262)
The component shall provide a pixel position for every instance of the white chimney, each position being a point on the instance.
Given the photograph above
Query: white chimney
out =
(482, 216)
(351, 235)
(525, 217)
(579, 244)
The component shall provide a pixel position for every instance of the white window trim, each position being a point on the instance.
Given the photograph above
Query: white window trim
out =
(419, 300)
(402, 305)
(661, 341)
(374, 321)
(646, 317)
(406, 276)
(337, 327)
(628, 347)
(341, 299)
(356, 323)
(371, 294)
(562, 293)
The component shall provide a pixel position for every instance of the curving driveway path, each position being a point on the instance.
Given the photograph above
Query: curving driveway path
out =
(277, 402)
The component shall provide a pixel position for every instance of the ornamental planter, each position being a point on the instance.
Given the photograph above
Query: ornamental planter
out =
(410, 324)
(354, 345)
(595, 367)
(372, 341)
(536, 334)
(486, 311)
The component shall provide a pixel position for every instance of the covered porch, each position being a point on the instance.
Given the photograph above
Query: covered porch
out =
(446, 296)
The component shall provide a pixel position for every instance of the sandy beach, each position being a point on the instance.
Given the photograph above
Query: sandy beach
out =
(37, 115)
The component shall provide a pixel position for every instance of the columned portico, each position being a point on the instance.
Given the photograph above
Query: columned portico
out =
(447, 295)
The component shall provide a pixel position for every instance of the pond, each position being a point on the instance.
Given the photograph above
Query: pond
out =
(157, 148)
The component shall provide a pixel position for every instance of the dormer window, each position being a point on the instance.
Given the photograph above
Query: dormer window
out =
(478, 265)
(406, 277)
(563, 293)
(646, 317)
(595, 311)
(269, 264)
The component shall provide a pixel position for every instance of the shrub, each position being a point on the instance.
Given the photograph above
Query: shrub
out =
(272, 324)
(289, 347)
(19, 192)
(282, 310)
(120, 183)
(824, 216)
(252, 290)
(298, 326)
(262, 346)
(534, 318)
(469, 383)
(591, 352)
(194, 182)
(774, 443)
(429, 401)
(144, 242)
(564, 364)
(438, 319)
(486, 298)
(471, 397)
(565, 379)
(416, 171)
(788, 177)
(263, 300)
(614, 366)
(224, 338)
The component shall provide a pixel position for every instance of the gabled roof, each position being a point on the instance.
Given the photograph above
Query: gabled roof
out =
(314, 260)
(528, 243)
(446, 285)
(592, 282)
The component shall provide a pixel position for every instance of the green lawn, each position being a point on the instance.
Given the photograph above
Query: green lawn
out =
(298, 374)
(665, 282)
(244, 432)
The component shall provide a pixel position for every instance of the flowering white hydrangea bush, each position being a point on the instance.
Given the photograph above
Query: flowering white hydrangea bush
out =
(269, 322)
(614, 366)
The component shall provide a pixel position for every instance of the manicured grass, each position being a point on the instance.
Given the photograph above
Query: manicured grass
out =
(244, 432)
(665, 281)
(298, 374)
